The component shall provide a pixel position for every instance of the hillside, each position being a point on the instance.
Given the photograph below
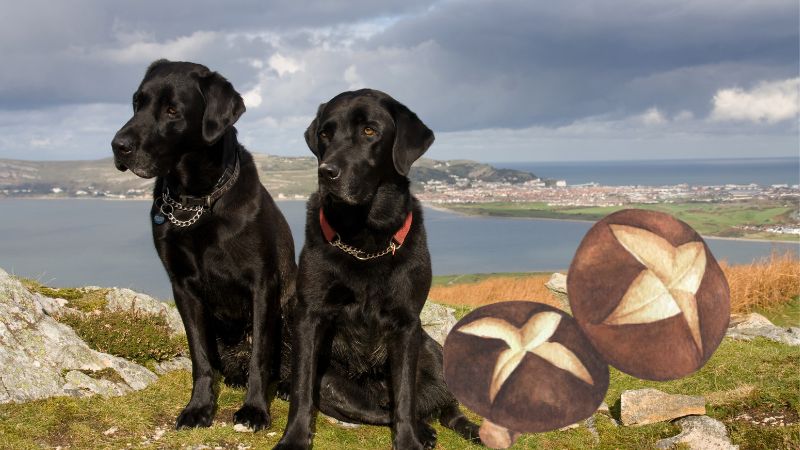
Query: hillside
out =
(283, 176)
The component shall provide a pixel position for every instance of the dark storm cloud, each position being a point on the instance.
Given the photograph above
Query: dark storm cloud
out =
(554, 62)
(584, 77)
(51, 49)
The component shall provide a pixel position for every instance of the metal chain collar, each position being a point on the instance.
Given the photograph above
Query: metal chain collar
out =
(173, 205)
(361, 254)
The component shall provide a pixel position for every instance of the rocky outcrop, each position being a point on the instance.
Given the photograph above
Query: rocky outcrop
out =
(643, 406)
(127, 300)
(753, 325)
(437, 320)
(40, 357)
(557, 284)
(178, 363)
(699, 433)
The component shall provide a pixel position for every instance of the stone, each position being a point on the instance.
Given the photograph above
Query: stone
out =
(699, 433)
(753, 325)
(127, 300)
(82, 385)
(437, 320)
(41, 358)
(558, 286)
(643, 406)
(239, 428)
(177, 363)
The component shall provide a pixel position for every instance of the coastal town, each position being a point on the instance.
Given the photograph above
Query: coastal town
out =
(558, 194)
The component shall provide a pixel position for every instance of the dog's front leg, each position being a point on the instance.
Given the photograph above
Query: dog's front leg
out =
(199, 412)
(255, 411)
(307, 333)
(407, 431)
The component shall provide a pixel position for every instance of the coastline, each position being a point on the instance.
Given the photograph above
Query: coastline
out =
(437, 207)
(433, 206)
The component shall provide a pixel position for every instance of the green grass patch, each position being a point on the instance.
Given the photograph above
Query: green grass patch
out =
(712, 219)
(142, 338)
(784, 315)
(77, 298)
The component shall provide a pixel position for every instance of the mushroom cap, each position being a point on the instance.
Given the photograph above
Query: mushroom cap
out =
(525, 366)
(648, 293)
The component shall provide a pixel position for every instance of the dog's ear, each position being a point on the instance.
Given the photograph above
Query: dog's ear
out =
(224, 106)
(411, 138)
(311, 134)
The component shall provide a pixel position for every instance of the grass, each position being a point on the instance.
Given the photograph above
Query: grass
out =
(763, 284)
(712, 219)
(82, 299)
(766, 369)
(770, 286)
(491, 290)
(142, 338)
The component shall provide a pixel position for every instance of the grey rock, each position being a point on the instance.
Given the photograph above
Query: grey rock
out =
(753, 325)
(341, 424)
(177, 363)
(127, 300)
(437, 320)
(81, 384)
(643, 406)
(36, 350)
(699, 433)
(558, 286)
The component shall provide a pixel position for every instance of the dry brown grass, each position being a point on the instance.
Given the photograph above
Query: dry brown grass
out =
(495, 290)
(763, 284)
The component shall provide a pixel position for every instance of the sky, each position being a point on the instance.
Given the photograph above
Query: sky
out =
(502, 80)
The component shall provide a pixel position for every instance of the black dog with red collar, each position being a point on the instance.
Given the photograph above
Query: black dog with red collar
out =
(358, 350)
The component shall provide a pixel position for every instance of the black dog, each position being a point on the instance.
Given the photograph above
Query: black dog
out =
(359, 353)
(226, 247)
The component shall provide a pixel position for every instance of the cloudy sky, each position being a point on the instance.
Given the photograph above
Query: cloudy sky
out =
(501, 80)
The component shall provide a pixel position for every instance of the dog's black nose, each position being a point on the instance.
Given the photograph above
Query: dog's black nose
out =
(122, 145)
(330, 171)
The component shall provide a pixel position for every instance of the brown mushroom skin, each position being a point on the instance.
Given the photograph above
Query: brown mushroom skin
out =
(537, 396)
(599, 277)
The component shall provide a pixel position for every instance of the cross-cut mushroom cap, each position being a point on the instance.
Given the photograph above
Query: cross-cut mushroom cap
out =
(648, 293)
(525, 366)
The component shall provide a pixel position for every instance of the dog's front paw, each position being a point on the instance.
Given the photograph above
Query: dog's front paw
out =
(426, 435)
(292, 445)
(423, 436)
(252, 417)
(294, 440)
(195, 417)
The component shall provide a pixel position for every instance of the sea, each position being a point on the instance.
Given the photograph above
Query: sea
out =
(108, 243)
(703, 172)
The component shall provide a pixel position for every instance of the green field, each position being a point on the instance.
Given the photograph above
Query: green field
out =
(710, 219)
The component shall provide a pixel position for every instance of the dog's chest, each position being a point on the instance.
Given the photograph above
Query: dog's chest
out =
(360, 339)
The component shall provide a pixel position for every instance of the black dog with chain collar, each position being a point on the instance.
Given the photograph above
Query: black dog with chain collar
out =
(231, 262)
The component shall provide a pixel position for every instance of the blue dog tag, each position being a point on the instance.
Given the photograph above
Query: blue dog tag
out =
(158, 219)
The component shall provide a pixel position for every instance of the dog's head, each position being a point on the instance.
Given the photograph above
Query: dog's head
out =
(363, 139)
(179, 107)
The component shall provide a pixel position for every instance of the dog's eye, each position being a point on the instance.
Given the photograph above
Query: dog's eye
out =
(171, 110)
(324, 135)
(369, 131)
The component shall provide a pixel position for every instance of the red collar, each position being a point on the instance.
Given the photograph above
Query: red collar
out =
(330, 234)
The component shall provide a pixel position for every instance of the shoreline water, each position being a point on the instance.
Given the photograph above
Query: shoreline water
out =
(433, 206)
